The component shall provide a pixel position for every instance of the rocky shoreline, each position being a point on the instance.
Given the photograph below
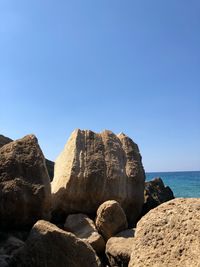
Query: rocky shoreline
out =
(93, 209)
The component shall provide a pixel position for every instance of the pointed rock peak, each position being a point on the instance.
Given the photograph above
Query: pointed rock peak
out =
(121, 135)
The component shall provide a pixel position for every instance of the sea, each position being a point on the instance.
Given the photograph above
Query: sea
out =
(183, 184)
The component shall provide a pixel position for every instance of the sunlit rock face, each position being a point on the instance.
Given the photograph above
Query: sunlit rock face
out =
(95, 167)
(168, 235)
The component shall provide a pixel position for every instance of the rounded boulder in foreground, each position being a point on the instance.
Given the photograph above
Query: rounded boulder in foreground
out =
(168, 235)
(110, 219)
(49, 246)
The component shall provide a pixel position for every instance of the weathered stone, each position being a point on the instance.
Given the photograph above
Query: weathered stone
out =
(4, 140)
(10, 245)
(83, 227)
(119, 248)
(168, 235)
(4, 260)
(47, 245)
(25, 193)
(94, 168)
(155, 193)
(110, 219)
(50, 164)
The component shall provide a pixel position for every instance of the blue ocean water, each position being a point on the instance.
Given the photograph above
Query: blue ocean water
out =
(183, 184)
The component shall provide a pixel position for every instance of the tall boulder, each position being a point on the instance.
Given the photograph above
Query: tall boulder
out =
(47, 245)
(95, 167)
(25, 192)
(168, 235)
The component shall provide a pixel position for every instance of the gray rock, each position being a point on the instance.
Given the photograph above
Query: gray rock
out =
(155, 193)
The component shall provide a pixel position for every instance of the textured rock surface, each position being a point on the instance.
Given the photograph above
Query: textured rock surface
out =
(119, 248)
(47, 245)
(25, 193)
(4, 140)
(9, 245)
(83, 227)
(155, 193)
(110, 219)
(94, 168)
(50, 168)
(168, 235)
(50, 164)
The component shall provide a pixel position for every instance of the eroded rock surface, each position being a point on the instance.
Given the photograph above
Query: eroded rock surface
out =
(25, 193)
(95, 167)
(9, 245)
(83, 227)
(155, 193)
(50, 164)
(110, 219)
(47, 245)
(4, 140)
(168, 235)
(119, 248)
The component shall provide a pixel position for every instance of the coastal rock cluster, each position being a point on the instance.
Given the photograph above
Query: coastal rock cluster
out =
(94, 168)
(97, 211)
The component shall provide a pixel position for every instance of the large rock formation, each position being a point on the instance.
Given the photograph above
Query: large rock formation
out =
(83, 227)
(96, 167)
(50, 164)
(25, 193)
(155, 193)
(168, 235)
(119, 248)
(47, 245)
(110, 219)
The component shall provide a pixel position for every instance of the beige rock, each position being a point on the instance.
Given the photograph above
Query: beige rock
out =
(110, 219)
(47, 245)
(49, 164)
(168, 236)
(83, 227)
(94, 168)
(25, 192)
(119, 248)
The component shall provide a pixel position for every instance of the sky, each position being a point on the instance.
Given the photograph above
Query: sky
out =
(129, 66)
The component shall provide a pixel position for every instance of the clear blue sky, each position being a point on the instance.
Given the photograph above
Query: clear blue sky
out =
(128, 66)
